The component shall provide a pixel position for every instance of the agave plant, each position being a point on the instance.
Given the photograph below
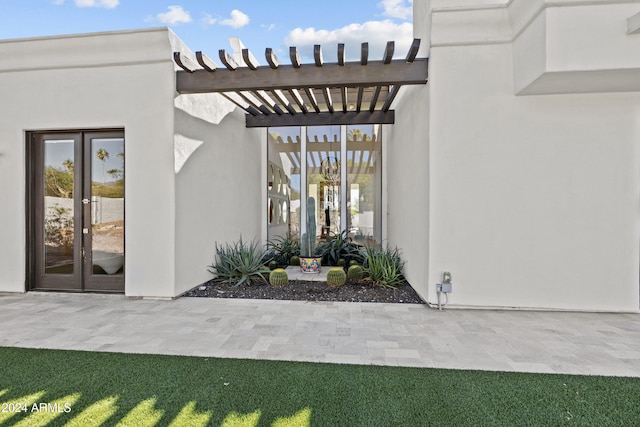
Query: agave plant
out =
(283, 248)
(384, 266)
(239, 262)
(340, 246)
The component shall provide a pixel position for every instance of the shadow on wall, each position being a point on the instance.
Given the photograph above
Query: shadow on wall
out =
(209, 108)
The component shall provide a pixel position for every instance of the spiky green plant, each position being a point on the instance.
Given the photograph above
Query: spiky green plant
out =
(353, 262)
(295, 260)
(239, 262)
(384, 266)
(339, 246)
(283, 248)
(273, 265)
(336, 277)
(278, 277)
(342, 262)
(355, 272)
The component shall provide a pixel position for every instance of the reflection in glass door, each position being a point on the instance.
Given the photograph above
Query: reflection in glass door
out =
(323, 178)
(339, 167)
(364, 181)
(57, 254)
(77, 211)
(103, 204)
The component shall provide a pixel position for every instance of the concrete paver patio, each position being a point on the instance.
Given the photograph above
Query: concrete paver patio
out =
(360, 333)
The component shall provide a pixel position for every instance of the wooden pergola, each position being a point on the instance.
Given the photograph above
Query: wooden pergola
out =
(363, 153)
(319, 93)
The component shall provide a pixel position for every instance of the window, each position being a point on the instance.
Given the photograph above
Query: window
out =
(342, 169)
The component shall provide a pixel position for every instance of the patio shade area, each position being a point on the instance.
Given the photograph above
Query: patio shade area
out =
(320, 93)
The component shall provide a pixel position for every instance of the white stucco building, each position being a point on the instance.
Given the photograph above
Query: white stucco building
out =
(516, 167)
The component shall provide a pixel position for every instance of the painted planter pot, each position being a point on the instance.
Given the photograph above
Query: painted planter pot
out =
(310, 264)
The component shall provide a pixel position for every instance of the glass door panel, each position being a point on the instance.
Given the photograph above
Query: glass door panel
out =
(283, 183)
(107, 206)
(56, 258)
(58, 199)
(103, 211)
(364, 180)
(323, 178)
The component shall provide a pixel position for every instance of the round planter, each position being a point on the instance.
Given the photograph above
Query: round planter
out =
(310, 264)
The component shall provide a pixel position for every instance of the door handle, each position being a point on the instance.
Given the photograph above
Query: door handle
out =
(86, 201)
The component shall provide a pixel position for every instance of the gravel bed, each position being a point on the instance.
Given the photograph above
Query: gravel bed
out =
(360, 291)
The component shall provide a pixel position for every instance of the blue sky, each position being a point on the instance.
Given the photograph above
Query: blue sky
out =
(207, 25)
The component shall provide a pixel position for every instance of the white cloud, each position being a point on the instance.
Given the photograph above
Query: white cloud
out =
(175, 15)
(58, 2)
(108, 4)
(207, 19)
(376, 33)
(397, 8)
(238, 19)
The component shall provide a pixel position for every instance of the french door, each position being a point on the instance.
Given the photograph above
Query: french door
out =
(76, 211)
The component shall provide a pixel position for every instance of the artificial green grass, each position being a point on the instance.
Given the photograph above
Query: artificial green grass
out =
(127, 389)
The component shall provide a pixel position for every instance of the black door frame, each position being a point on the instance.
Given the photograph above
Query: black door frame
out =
(82, 279)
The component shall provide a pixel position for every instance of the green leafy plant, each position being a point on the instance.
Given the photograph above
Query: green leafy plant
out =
(267, 273)
(240, 262)
(384, 265)
(283, 249)
(355, 272)
(278, 277)
(336, 277)
(340, 246)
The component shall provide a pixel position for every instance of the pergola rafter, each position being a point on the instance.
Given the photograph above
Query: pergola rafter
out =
(359, 92)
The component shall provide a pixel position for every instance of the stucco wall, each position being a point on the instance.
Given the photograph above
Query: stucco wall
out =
(534, 199)
(577, 48)
(122, 80)
(218, 183)
(407, 184)
(406, 169)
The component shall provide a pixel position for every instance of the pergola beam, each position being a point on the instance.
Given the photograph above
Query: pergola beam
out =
(388, 53)
(327, 98)
(390, 97)
(294, 56)
(322, 119)
(206, 62)
(184, 62)
(271, 58)
(352, 74)
(317, 55)
(283, 100)
(341, 54)
(227, 60)
(249, 59)
(364, 53)
(288, 90)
